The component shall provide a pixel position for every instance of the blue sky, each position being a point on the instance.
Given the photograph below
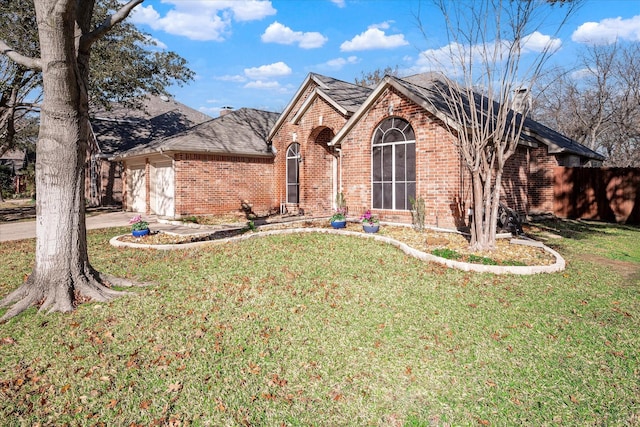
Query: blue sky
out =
(256, 53)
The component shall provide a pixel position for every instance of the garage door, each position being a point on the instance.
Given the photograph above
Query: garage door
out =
(164, 200)
(138, 189)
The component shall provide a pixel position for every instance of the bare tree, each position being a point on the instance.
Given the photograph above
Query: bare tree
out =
(495, 50)
(374, 77)
(62, 274)
(598, 102)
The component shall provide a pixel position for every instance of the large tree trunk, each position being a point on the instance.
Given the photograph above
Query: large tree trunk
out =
(62, 274)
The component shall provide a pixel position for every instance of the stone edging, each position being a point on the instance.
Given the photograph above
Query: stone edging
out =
(559, 265)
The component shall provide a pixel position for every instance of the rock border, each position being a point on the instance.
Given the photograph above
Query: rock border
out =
(559, 264)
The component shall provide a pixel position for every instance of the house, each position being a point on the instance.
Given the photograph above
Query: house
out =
(385, 145)
(16, 161)
(121, 128)
(208, 168)
(380, 146)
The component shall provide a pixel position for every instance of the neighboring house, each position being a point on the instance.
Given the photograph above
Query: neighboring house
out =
(121, 128)
(16, 161)
(209, 168)
(383, 146)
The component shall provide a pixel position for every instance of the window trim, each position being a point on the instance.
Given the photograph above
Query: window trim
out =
(293, 152)
(395, 127)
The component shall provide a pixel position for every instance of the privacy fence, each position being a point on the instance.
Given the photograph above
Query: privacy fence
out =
(607, 194)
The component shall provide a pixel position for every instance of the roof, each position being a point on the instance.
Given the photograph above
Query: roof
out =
(421, 89)
(122, 128)
(240, 132)
(15, 159)
(343, 96)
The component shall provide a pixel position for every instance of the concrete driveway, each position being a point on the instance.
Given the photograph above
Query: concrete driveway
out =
(27, 229)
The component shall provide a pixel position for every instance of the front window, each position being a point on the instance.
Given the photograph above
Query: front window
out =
(393, 165)
(293, 177)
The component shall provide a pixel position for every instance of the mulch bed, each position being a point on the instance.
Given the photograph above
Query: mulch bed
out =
(449, 245)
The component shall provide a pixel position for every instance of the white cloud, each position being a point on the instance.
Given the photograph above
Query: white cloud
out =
(232, 78)
(374, 38)
(538, 42)
(155, 43)
(338, 63)
(581, 74)
(260, 84)
(202, 19)
(339, 3)
(608, 31)
(277, 69)
(452, 57)
(278, 33)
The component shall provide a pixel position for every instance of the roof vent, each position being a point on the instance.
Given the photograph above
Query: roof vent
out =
(164, 98)
(225, 110)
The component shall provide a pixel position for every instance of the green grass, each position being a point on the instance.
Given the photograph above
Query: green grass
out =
(328, 330)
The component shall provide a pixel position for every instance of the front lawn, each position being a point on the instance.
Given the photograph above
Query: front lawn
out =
(329, 330)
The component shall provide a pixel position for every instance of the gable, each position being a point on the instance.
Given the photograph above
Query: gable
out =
(343, 97)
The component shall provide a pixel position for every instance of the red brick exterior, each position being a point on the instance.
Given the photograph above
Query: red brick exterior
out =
(206, 184)
(441, 177)
(213, 184)
(313, 130)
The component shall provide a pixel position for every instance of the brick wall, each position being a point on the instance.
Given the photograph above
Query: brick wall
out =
(312, 131)
(541, 178)
(213, 184)
(441, 178)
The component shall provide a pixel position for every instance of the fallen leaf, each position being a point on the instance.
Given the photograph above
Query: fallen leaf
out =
(112, 403)
(145, 404)
(573, 399)
(65, 388)
(7, 341)
(173, 387)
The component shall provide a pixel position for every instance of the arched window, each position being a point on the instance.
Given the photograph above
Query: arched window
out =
(293, 176)
(393, 165)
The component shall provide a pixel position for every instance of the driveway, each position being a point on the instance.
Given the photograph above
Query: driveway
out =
(18, 230)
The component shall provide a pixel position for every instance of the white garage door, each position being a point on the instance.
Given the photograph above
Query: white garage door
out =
(138, 189)
(164, 200)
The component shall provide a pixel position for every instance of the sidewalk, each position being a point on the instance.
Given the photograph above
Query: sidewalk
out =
(27, 229)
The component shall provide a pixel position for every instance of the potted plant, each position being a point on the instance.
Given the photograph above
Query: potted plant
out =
(339, 217)
(139, 227)
(370, 223)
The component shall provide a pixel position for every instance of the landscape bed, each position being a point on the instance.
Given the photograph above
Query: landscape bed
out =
(450, 245)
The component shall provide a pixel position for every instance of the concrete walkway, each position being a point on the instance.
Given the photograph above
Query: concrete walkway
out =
(18, 230)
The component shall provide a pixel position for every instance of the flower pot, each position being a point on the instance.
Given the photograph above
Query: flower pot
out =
(339, 224)
(371, 228)
(140, 233)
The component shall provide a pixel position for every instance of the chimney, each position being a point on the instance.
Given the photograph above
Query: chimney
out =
(225, 110)
(521, 102)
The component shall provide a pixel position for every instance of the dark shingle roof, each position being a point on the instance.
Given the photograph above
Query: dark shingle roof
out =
(123, 128)
(422, 86)
(348, 95)
(239, 132)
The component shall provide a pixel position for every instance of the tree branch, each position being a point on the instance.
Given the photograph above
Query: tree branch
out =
(88, 39)
(25, 61)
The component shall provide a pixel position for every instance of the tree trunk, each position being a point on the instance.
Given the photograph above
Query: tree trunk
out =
(62, 273)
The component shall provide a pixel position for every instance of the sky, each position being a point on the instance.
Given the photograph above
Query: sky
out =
(257, 53)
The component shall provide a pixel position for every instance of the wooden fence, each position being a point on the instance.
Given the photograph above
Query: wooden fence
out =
(607, 194)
